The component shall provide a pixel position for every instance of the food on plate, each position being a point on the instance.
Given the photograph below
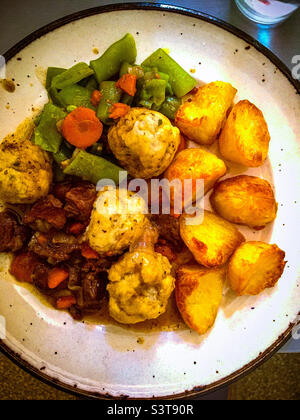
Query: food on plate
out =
(140, 283)
(144, 142)
(78, 229)
(25, 169)
(246, 200)
(199, 293)
(202, 117)
(211, 241)
(194, 164)
(245, 137)
(118, 219)
(254, 267)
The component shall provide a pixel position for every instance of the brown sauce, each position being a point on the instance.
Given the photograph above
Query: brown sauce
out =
(8, 85)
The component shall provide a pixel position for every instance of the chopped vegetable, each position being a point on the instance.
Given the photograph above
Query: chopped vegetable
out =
(56, 276)
(65, 302)
(75, 95)
(170, 107)
(71, 76)
(77, 228)
(46, 134)
(95, 97)
(64, 153)
(127, 99)
(51, 73)
(23, 266)
(131, 69)
(118, 110)
(110, 94)
(128, 84)
(152, 94)
(181, 82)
(92, 168)
(82, 128)
(109, 63)
(88, 253)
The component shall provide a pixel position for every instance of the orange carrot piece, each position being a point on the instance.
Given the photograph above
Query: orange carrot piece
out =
(118, 110)
(82, 128)
(56, 276)
(23, 266)
(95, 98)
(65, 302)
(42, 239)
(127, 83)
(77, 228)
(88, 253)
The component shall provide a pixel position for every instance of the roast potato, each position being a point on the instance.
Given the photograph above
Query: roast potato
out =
(199, 294)
(201, 118)
(194, 164)
(255, 266)
(144, 142)
(245, 137)
(211, 242)
(246, 200)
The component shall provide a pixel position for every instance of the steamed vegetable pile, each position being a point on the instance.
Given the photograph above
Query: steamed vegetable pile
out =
(86, 99)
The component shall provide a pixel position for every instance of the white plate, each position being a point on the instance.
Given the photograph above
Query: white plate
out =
(107, 360)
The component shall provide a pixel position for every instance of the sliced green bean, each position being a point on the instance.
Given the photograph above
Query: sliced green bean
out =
(71, 76)
(170, 107)
(51, 73)
(110, 94)
(153, 93)
(46, 134)
(64, 153)
(181, 82)
(109, 64)
(92, 168)
(127, 68)
(75, 95)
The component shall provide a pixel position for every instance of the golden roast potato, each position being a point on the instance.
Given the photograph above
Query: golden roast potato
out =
(199, 293)
(211, 242)
(194, 164)
(255, 266)
(202, 117)
(245, 137)
(246, 200)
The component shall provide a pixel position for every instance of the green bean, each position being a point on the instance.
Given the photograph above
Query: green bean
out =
(92, 168)
(71, 76)
(110, 94)
(75, 95)
(51, 73)
(58, 175)
(153, 93)
(46, 134)
(127, 68)
(127, 99)
(181, 82)
(64, 153)
(109, 64)
(170, 107)
(92, 84)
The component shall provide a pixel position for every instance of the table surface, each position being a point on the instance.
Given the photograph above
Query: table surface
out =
(23, 17)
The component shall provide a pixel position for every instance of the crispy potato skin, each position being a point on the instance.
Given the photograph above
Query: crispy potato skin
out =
(213, 241)
(246, 200)
(199, 294)
(254, 267)
(194, 164)
(245, 137)
(202, 118)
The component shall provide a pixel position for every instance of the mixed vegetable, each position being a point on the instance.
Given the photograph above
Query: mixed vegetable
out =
(86, 99)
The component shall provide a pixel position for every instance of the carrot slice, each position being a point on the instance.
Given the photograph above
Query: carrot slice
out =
(88, 253)
(127, 83)
(65, 302)
(118, 110)
(56, 276)
(77, 228)
(23, 266)
(82, 128)
(95, 98)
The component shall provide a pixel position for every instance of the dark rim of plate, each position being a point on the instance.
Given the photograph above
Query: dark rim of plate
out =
(283, 338)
